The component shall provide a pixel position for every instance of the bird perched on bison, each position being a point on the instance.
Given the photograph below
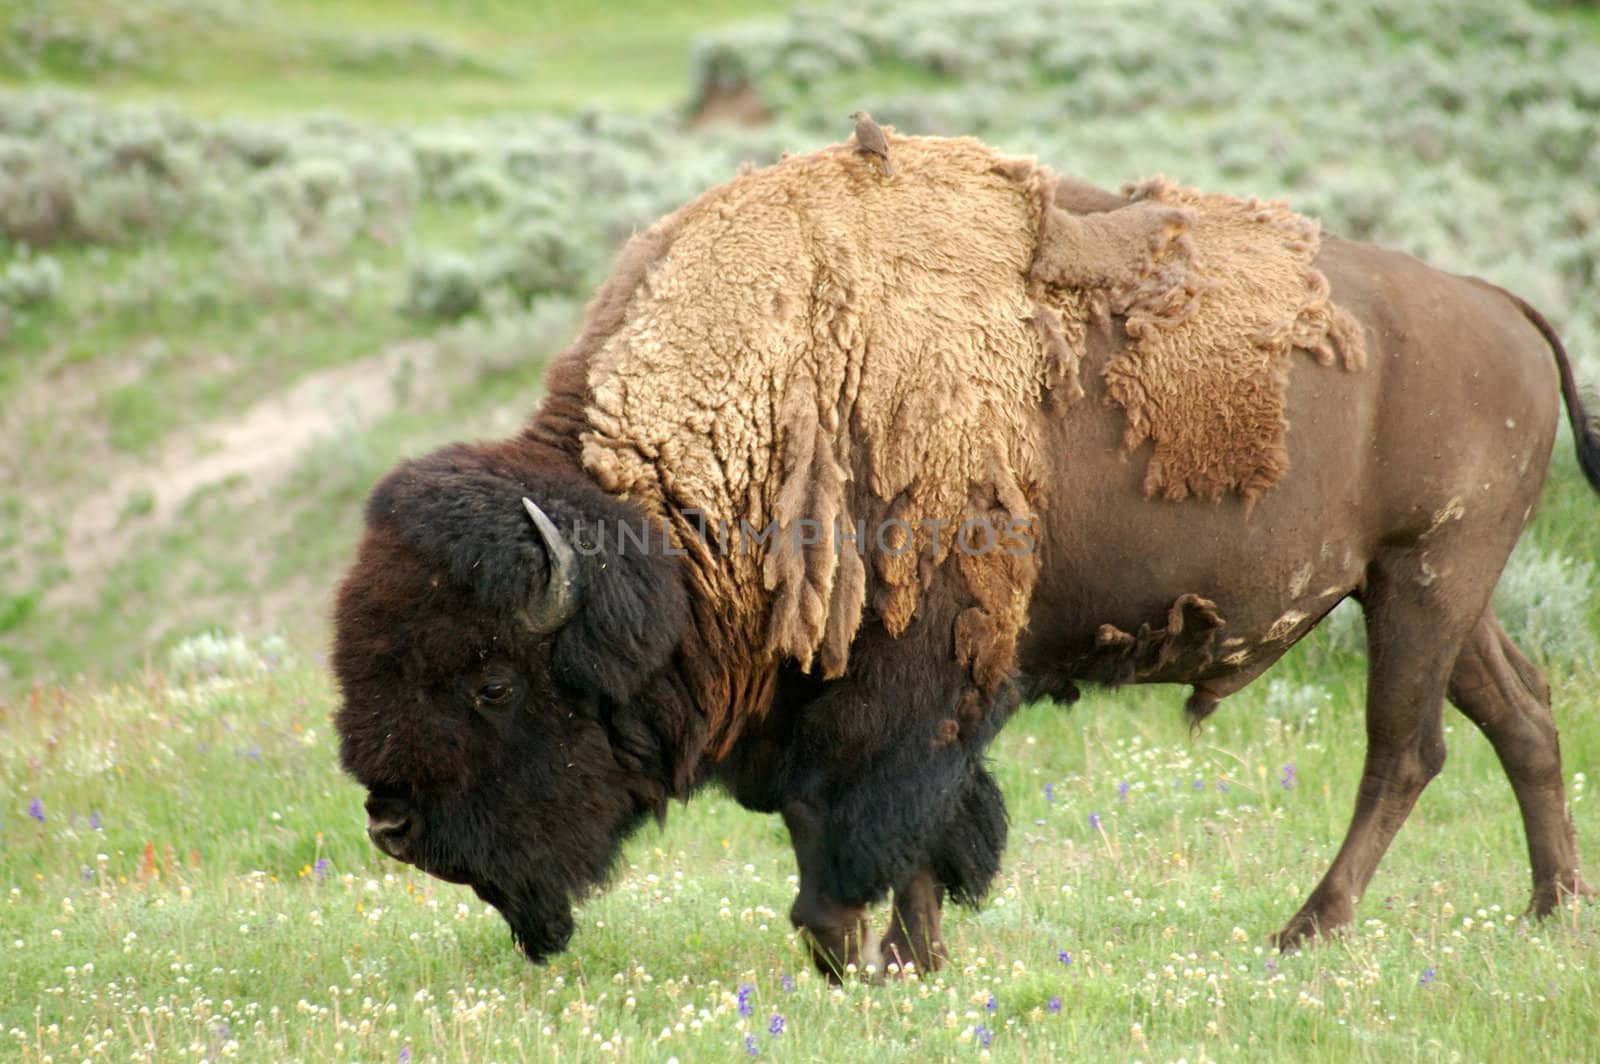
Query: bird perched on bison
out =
(837, 472)
(870, 140)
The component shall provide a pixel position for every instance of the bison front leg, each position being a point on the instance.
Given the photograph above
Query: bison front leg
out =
(835, 934)
(1501, 691)
(881, 783)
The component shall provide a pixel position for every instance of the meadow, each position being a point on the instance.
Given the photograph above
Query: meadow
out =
(252, 254)
(187, 879)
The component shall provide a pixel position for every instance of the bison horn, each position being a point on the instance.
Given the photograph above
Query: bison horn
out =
(555, 603)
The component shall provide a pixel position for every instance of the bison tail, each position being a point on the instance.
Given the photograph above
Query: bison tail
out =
(1585, 426)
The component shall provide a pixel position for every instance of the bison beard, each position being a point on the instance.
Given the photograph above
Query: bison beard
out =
(540, 919)
(521, 690)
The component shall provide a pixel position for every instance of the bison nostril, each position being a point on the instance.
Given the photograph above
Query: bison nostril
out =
(391, 834)
(390, 826)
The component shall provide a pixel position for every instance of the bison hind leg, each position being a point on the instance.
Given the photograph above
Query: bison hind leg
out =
(1504, 694)
(914, 938)
(966, 855)
(1414, 632)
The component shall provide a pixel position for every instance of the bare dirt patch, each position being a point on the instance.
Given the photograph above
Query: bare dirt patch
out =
(257, 447)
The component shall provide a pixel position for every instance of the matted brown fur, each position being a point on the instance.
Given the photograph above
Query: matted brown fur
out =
(816, 341)
(1214, 292)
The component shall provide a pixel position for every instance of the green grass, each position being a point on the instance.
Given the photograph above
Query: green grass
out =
(502, 55)
(1582, 15)
(200, 344)
(196, 914)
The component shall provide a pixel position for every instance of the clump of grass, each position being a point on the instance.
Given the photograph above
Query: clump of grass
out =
(71, 38)
(443, 287)
(218, 653)
(402, 55)
(1545, 601)
(30, 280)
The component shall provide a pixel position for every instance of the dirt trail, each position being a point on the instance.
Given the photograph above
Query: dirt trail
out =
(260, 444)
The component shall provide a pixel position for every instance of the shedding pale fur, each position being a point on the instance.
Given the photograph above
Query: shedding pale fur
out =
(1214, 312)
(810, 344)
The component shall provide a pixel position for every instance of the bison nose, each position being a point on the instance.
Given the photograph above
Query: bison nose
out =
(390, 827)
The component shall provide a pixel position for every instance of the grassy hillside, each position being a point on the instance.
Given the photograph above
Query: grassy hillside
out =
(221, 322)
(405, 61)
(253, 253)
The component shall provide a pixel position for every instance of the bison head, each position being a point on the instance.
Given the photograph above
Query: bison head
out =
(508, 696)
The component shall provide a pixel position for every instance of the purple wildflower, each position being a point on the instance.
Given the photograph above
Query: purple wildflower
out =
(1271, 965)
(322, 869)
(1094, 821)
(221, 1029)
(405, 1055)
(775, 1028)
(1289, 777)
(1122, 791)
(1053, 1006)
(1049, 792)
(1222, 785)
(787, 983)
(254, 753)
(36, 810)
(1199, 785)
(984, 1035)
(1064, 957)
(750, 1046)
(745, 1007)
(991, 1004)
(1426, 977)
(94, 820)
(86, 873)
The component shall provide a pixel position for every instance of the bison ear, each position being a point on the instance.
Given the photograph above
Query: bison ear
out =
(632, 613)
(659, 739)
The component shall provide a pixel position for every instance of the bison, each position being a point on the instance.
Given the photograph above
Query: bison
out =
(842, 466)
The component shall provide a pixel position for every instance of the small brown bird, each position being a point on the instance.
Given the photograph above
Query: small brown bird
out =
(871, 141)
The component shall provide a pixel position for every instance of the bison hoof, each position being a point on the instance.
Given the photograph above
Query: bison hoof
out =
(840, 955)
(1309, 925)
(1549, 896)
(901, 957)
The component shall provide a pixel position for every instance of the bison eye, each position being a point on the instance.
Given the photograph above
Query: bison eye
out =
(494, 693)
